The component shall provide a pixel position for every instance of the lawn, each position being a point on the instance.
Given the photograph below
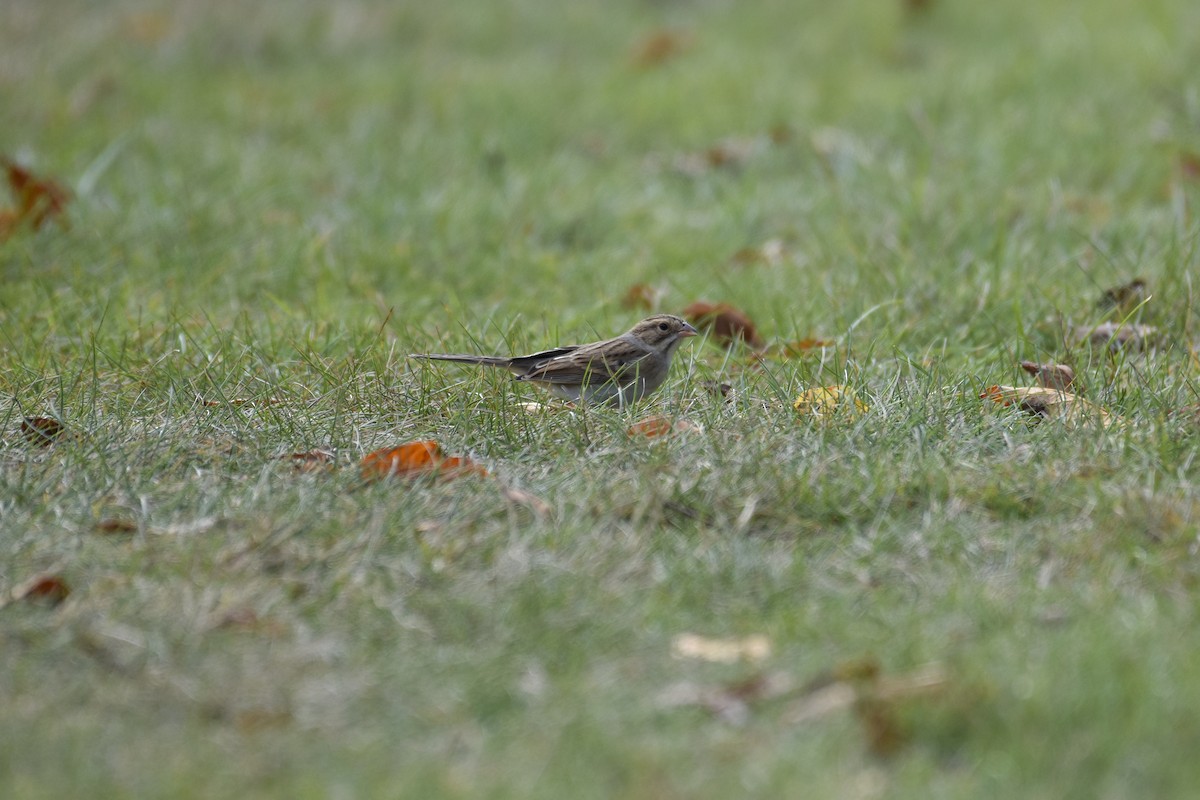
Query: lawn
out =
(272, 204)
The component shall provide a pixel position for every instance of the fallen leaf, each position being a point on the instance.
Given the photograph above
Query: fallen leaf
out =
(658, 47)
(770, 253)
(643, 296)
(310, 460)
(824, 401)
(1189, 166)
(659, 425)
(42, 431)
(1053, 376)
(38, 199)
(1070, 409)
(116, 525)
(726, 323)
(48, 589)
(1125, 298)
(723, 651)
(414, 459)
(1116, 336)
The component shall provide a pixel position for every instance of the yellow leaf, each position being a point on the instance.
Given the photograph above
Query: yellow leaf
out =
(827, 400)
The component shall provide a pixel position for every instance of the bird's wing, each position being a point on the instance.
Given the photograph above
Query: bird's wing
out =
(588, 364)
(535, 361)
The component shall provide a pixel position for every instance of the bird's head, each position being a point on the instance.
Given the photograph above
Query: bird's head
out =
(663, 331)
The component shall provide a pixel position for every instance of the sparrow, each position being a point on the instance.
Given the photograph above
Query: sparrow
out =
(618, 371)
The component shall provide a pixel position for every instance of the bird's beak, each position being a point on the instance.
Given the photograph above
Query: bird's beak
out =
(688, 330)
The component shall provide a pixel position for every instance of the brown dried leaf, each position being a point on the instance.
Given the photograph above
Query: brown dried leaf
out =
(1053, 376)
(641, 296)
(770, 253)
(726, 323)
(38, 199)
(1071, 409)
(42, 431)
(415, 459)
(115, 525)
(310, 460)
(1189, 166)
(47, 589)
(659, 47)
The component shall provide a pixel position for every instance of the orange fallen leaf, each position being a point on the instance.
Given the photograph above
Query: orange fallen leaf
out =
(641, 295)
(42, 431)
(804, 345)
(414, 459)
(38, 199)
(658, 47)
(48, 589)
(726, 323)
(659, 425)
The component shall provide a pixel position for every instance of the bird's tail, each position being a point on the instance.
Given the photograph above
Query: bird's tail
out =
(488, 361)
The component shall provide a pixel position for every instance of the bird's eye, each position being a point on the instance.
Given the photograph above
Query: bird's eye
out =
(662, 326)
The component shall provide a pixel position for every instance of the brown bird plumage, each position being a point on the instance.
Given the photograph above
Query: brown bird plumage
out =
(617, 371)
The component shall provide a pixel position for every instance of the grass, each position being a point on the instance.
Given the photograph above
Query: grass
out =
(276, 204)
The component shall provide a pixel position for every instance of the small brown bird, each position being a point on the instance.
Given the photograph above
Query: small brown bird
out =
(617, 371)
